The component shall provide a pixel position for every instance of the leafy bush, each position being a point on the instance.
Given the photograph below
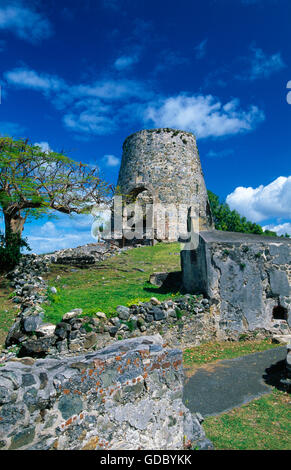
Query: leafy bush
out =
(10, 254)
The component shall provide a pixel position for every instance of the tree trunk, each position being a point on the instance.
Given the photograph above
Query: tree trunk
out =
(14, 225)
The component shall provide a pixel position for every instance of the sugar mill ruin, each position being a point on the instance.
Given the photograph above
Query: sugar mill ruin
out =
(63, 393)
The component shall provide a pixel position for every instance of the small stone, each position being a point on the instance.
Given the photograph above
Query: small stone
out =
(22, 438)
(115, 321)
(74, 347)
(90, 340)
(47, 329)
(101, 315)
(172, 313)
(32, 323)
(158, 314)
(113, 330)
(157, 279)
(62, 329)
(72, 314)
(140, 322)
(155, 301)
(123, 312)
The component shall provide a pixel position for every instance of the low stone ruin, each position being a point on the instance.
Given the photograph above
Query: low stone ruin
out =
(126, 396)
(181, 321)
(84, 255)
(246, 279)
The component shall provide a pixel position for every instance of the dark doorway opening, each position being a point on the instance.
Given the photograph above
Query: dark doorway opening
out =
(280, 313)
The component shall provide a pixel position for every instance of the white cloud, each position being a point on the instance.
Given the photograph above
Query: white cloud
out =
(90, 108)
(203, 115)
(263, 202)
(200, 49)
(89, 122)
(111, 160)
(99, 107)
(125, 62)
(27, 78)
(262, 65)
(280, 229)
(24, 21)
(48, 229)
(44, 146)
(65, 232)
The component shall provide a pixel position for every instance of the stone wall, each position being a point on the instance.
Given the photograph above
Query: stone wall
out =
(126, 396)
(182, 321)
(245, 277)
(162, 166)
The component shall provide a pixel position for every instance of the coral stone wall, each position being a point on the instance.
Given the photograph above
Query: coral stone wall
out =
(246, 278)
(126, 396)
(165, 164)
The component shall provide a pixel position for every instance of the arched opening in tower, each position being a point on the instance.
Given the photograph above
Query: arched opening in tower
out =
(142, 200)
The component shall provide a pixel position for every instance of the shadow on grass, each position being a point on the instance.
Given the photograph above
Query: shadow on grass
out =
(171, 285)
(274, 374)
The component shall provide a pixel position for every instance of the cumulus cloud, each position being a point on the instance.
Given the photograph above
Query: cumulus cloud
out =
(280, 229)
(24, 21)
(111, 160)
(203, 115)
(65, 232)
(263, 202)
(90, 108)
(44, 146)
(99, 107)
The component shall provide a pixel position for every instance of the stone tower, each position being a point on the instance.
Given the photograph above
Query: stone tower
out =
(162, 166)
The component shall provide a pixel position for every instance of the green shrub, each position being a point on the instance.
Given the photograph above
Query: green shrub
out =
(10, 250)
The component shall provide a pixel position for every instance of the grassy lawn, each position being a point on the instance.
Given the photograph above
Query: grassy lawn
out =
(119, 280)
(7, 309)
(262, 424)
(215, 351)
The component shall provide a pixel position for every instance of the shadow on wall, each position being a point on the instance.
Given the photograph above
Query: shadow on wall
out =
(171, 285)
(275, 374)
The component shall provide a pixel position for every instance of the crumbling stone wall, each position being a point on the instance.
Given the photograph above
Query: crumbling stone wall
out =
(126, 396)
(246, 278)
(163, 166)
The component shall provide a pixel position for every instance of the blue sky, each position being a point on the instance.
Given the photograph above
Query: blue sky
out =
(80, 76)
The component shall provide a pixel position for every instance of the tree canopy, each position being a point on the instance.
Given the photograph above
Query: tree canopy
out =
(34, 182)
(230, 220)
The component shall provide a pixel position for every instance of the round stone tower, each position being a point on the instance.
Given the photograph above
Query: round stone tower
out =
(162, 166)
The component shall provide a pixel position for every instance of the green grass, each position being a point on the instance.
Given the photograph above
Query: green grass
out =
(214, 351)
(7, 309)
(116, 281)
(263, 424)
